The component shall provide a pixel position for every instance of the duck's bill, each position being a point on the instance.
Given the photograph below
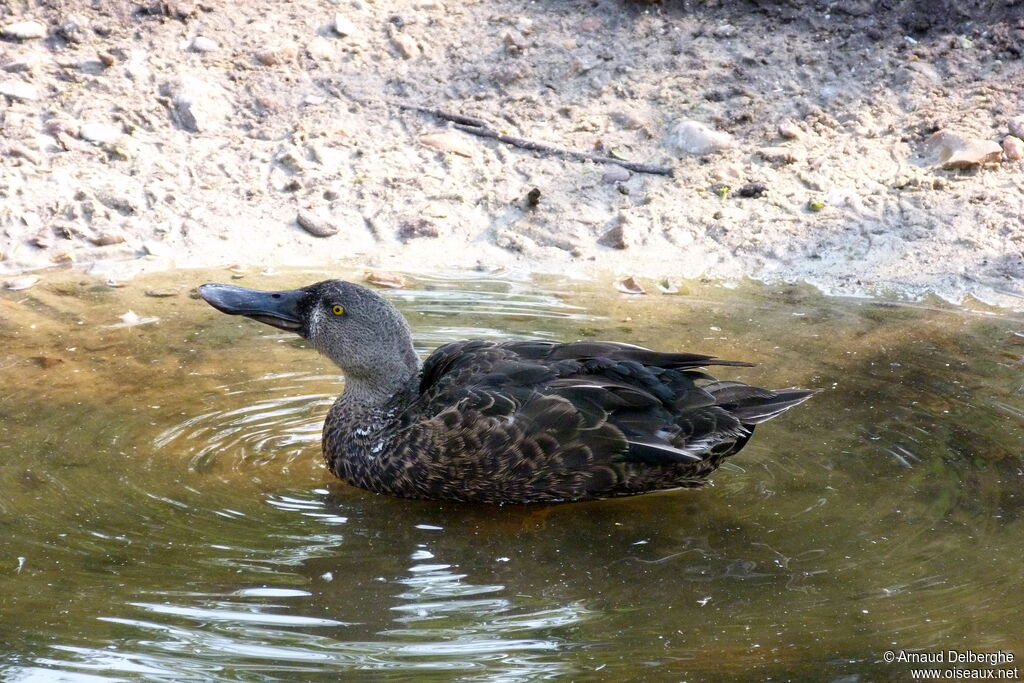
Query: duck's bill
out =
(279, 309)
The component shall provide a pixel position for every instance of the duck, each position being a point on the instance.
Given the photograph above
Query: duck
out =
(508, 422)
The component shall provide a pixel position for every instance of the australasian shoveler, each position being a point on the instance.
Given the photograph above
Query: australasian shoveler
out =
(508, 422)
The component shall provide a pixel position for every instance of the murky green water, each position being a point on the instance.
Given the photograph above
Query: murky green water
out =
(164, 513)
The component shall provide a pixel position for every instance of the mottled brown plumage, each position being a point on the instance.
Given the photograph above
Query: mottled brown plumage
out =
(510, 422)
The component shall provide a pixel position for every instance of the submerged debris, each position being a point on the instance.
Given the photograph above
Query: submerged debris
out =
(629, 285)
(16, 284)
(383, 278)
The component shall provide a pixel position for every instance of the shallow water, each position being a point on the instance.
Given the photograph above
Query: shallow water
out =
(164, 513)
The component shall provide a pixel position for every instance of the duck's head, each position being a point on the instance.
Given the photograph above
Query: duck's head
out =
(353, 326)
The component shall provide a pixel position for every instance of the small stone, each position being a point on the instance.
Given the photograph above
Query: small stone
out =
(314, 225)
(18, 90)
(453, 143)
(615, 174)
(47, 362)
(416, 228)
(614, 238)
(780, 155)
(43, 239)
(1013, 148)
(725, 31)
(203, 44)
(24, 30)
(533, 198)
(279, 54)
(343, 26)
(789, 130)
(514, 41)
(668, 286)
(99, 133)
(106, 59)
(752, 190)
(161, 293)
(949, 150)
(63, 256)
(590, 24)
(107, 238)
(405, 45)
(197, 106)
(70, 29)
(1016, 126)
(383, 278)
(320, 49)
(629, 285)
(693, 137)
(157, 249)
(16, 284)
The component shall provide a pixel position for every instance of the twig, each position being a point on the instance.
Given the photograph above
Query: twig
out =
(480, 128)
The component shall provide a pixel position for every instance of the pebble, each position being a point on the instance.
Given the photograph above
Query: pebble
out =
(949, 150)
(160, 293)
(1016, 126)
(1013, 148)
(203, 44)
(279, 54)
(590, 24)
(629, 285)
(106, 238)
(780, 155)
(615, 174)
(43, 239)
(405, 45)
(24, 30)
(99, 133)
(197, 106)
(752, 190)
(789, 130)
(16, 284)
(70, 29)
(453, 143)
(320, 49)
(315, 225)
(693, 137)
(343, 26)
(152, 248)
(18, 90)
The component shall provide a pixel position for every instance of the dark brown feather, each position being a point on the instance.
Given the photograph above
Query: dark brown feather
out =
(538, 421)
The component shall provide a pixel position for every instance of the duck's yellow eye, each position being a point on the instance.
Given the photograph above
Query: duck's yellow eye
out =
(338, 310)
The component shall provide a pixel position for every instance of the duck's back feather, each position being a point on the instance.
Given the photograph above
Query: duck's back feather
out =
(537, 420)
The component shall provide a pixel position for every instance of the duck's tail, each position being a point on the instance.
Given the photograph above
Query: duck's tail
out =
(754, 405)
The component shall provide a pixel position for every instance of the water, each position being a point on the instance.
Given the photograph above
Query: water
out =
(164, 513)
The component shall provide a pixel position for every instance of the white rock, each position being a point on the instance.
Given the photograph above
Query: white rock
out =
(950, 150)
(693, 137)
(203, 44)
(1013, 148)
(24, 30)
(197, 106)
(343, 26)
(320, 49)
(405, 45)
(789, 130)
(18, 90)
(99, 133)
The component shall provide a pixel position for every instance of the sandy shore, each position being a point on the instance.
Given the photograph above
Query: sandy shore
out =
(860, 149)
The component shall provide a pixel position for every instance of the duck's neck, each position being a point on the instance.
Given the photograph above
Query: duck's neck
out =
(389, 385)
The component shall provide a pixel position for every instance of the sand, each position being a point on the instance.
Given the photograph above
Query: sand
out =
(147, 136)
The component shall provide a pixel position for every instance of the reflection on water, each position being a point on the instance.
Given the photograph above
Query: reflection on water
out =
(165, 514)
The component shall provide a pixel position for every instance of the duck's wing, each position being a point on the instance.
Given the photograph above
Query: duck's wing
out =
(586, 419)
